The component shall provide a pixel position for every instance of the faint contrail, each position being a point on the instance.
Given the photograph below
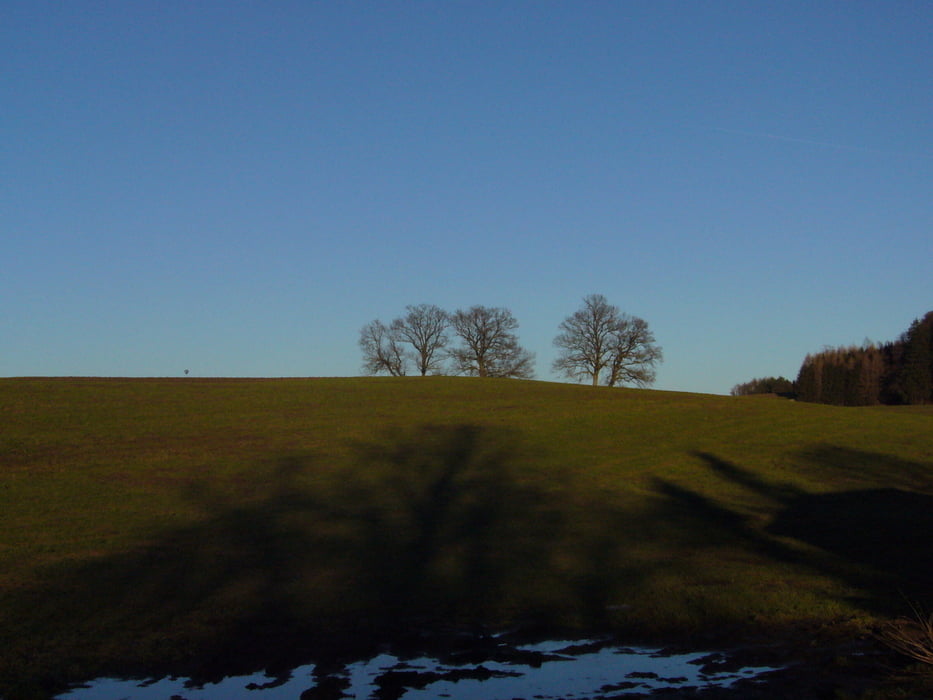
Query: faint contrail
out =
(825, 144)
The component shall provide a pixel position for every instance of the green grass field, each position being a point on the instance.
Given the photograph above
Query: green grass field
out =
(190, 524)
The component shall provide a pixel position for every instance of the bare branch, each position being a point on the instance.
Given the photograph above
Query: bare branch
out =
(424, 328)
(381, 350)
(600, 343)
(911, 637)
(490, 347)
(633, 352)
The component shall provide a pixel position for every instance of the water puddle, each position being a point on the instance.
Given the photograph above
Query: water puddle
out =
(544, 671)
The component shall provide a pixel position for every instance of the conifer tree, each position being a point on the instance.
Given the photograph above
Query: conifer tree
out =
(915, 380)
(895, 373)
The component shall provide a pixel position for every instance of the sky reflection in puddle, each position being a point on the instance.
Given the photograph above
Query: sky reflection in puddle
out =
(545, 671)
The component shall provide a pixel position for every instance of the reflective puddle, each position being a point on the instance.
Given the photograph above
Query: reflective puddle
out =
(544, 671)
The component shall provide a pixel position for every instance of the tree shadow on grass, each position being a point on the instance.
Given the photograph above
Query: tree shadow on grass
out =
(884, 470)
(884, 532)
(426, 531)
(433, 528)
(873, 539)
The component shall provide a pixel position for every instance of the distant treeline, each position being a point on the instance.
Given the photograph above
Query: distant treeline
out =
(894, 373)
(899, 372)
(766, 385)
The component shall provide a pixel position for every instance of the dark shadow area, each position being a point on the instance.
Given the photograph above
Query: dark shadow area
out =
(446, 523)
(875, 539)
(886, 532)
(885, 470)
(747, 479)
(422, 538)
(713, 524)
(436, 531)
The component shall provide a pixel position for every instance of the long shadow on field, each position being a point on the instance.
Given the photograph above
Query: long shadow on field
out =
(873, 539)
(884, 530)
(428, 528)
(432, 529)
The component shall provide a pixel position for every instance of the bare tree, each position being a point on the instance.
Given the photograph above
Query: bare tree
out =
(490, 347)
(634, 353)
(381, 350)
(424, 327)
(584, 339)
(601, 343)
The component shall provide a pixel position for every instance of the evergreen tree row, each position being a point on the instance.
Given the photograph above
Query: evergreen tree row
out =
(894, 373)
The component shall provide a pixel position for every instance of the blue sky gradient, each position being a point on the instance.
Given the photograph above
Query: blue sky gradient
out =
(235, 188)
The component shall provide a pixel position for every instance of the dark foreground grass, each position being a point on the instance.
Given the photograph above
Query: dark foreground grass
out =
(211, 526)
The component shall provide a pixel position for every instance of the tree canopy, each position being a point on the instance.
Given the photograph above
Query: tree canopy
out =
(489, 346)
(600, 343)
(418, 339)
(382, 350)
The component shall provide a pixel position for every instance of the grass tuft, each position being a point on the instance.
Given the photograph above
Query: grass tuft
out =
(912, 637)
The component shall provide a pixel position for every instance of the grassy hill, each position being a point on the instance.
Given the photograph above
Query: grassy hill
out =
(185, 523)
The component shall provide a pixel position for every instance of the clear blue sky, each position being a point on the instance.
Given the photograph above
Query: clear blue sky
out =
(235, 188)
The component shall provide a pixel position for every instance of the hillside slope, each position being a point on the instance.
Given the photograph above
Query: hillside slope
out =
(176, 524)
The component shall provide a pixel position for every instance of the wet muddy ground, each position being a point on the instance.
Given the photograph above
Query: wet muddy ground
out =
(505, 669)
